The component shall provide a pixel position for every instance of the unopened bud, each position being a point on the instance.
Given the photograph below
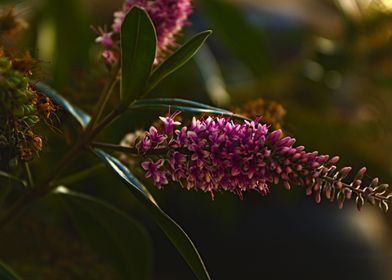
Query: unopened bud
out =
(275, 136)
(344, 171)
(360, 173)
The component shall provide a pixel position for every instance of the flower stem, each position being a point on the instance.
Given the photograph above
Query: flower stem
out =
(30, 181)
(92, 130)
(358, 190)
(104, 98)
(129, 150)
(78, 176)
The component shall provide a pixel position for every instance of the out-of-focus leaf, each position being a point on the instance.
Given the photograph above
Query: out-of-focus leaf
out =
(11, 180)
(177, 59)
(172, 230)
(82, 118)
(138, 49)
(246, 41)
(6, 273)
(212, 76)
(112, 233)
(63, 38)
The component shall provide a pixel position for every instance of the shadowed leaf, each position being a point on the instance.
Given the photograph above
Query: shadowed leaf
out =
(172, 230)
(138, 48)
(6, 273)
(177, 59)
(111, 232)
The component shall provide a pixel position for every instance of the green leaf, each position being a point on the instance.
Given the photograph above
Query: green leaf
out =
(138, 49)
(176, 102)
(6, 273)
(172, 230)
(177, 59)
(82, 118)
(111, 232)
(166, 106)
(212, 77)
(8, 179)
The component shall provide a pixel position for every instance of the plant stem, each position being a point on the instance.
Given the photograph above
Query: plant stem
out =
(129, 150)
(44, 187)
(357, 190)
(78, 176)
(117, 148)
(30, 181)
(103, 99)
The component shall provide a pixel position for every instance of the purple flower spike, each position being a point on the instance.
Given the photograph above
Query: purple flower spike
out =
(218, 154)
(168, 16)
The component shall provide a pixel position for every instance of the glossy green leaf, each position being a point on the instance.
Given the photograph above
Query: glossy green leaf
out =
(111, 232)
(194, 110)
(138, 49)
(177, 59)
(82, 118)
(172, 230)
(176, 102)
(6, 273)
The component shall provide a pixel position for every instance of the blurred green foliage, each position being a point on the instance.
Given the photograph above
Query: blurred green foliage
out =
(335, 89)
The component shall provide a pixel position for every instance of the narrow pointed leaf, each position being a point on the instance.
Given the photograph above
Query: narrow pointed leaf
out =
(177, 59)
(110, 232)
(193, 110)
(8, 179)
(177, 101)
(82, 118)
(138, 48)
(172, 230)
(6, 273)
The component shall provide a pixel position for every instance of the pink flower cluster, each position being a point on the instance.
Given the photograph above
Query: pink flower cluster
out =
(216, 153)
(168, 16)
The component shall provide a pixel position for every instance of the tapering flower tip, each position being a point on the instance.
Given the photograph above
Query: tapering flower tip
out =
(274, 136)
(328, 192)
(286, 142)
(360, 173)
(374, 182)
(333, 161)
(348, 193)
(338, 185)
(323, 158)
(345, 171)
(317, 197)
(340, 200)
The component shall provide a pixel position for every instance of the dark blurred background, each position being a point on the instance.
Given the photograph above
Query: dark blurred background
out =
(321, 70)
